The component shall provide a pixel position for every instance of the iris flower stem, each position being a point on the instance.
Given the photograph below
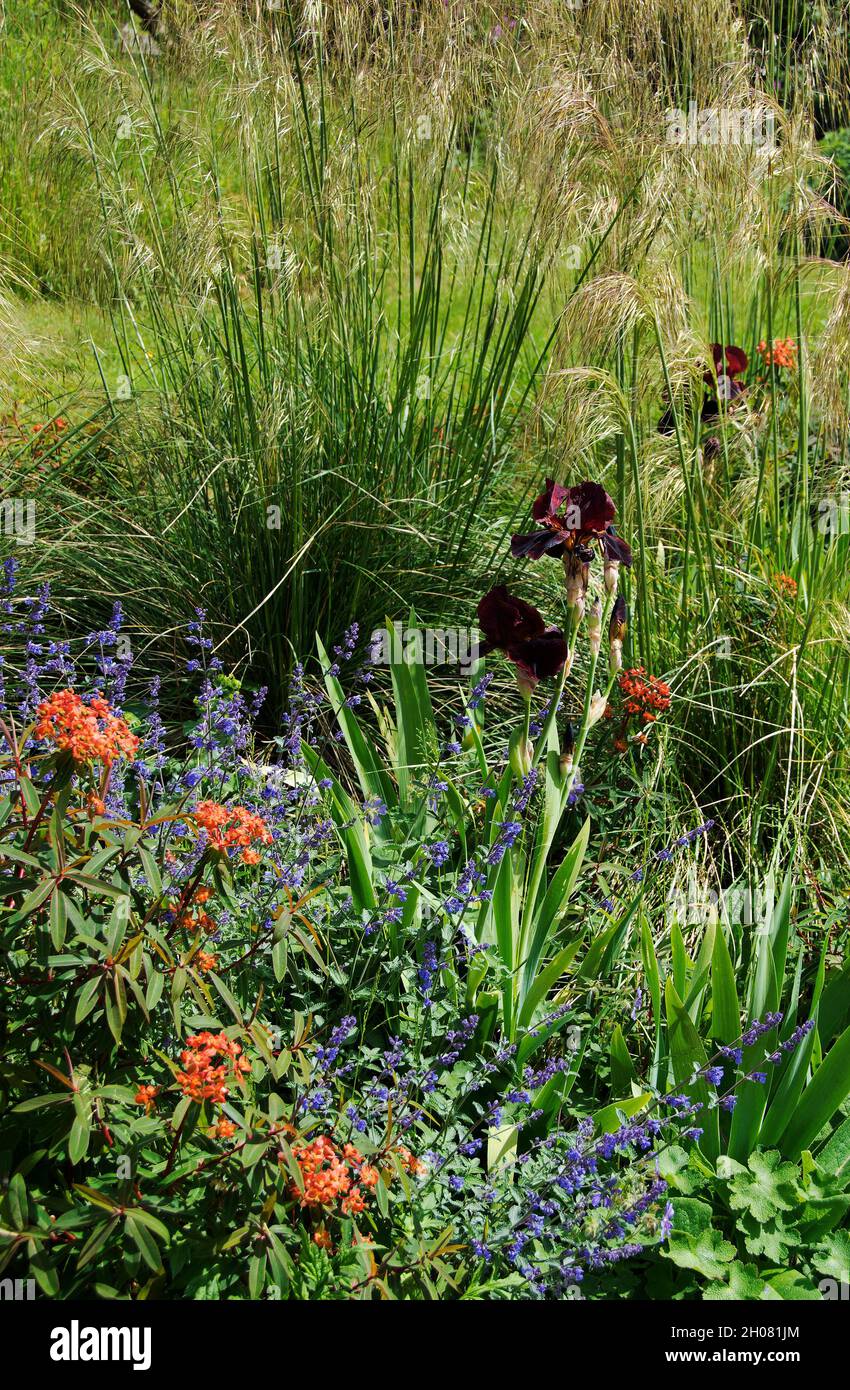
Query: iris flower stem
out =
(540, 745)
(539, 865)
(584, 728)
(582, 739)
(551, 715)
(526, 720)
(555, 702)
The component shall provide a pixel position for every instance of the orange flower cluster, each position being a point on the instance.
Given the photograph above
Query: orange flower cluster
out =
(646, 696)
(786, 585)
(409, 1161)
(225, 1129)
(194, 921)
(202, 1078)
(205, 961)
(232, 827)
(783, 353)
(354, 1203)
(326, 1175)
(87, 731)
(329, 1175)
(146, 1095)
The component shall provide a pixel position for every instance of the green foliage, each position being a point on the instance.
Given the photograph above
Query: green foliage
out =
(757, 1231)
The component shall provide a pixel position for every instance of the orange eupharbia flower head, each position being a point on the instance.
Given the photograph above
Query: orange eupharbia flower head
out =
(646, 696)
(329, 1176)
(232, 827)
(324, 1173)
(354, 1203)
(87, 729)
(783, 353)
(409, 1161)
(203, 1077)
(146, 1095)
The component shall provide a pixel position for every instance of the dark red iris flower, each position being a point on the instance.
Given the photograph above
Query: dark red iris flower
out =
(618, 620)
(730, 362)
(516, 628)
(573, 518)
